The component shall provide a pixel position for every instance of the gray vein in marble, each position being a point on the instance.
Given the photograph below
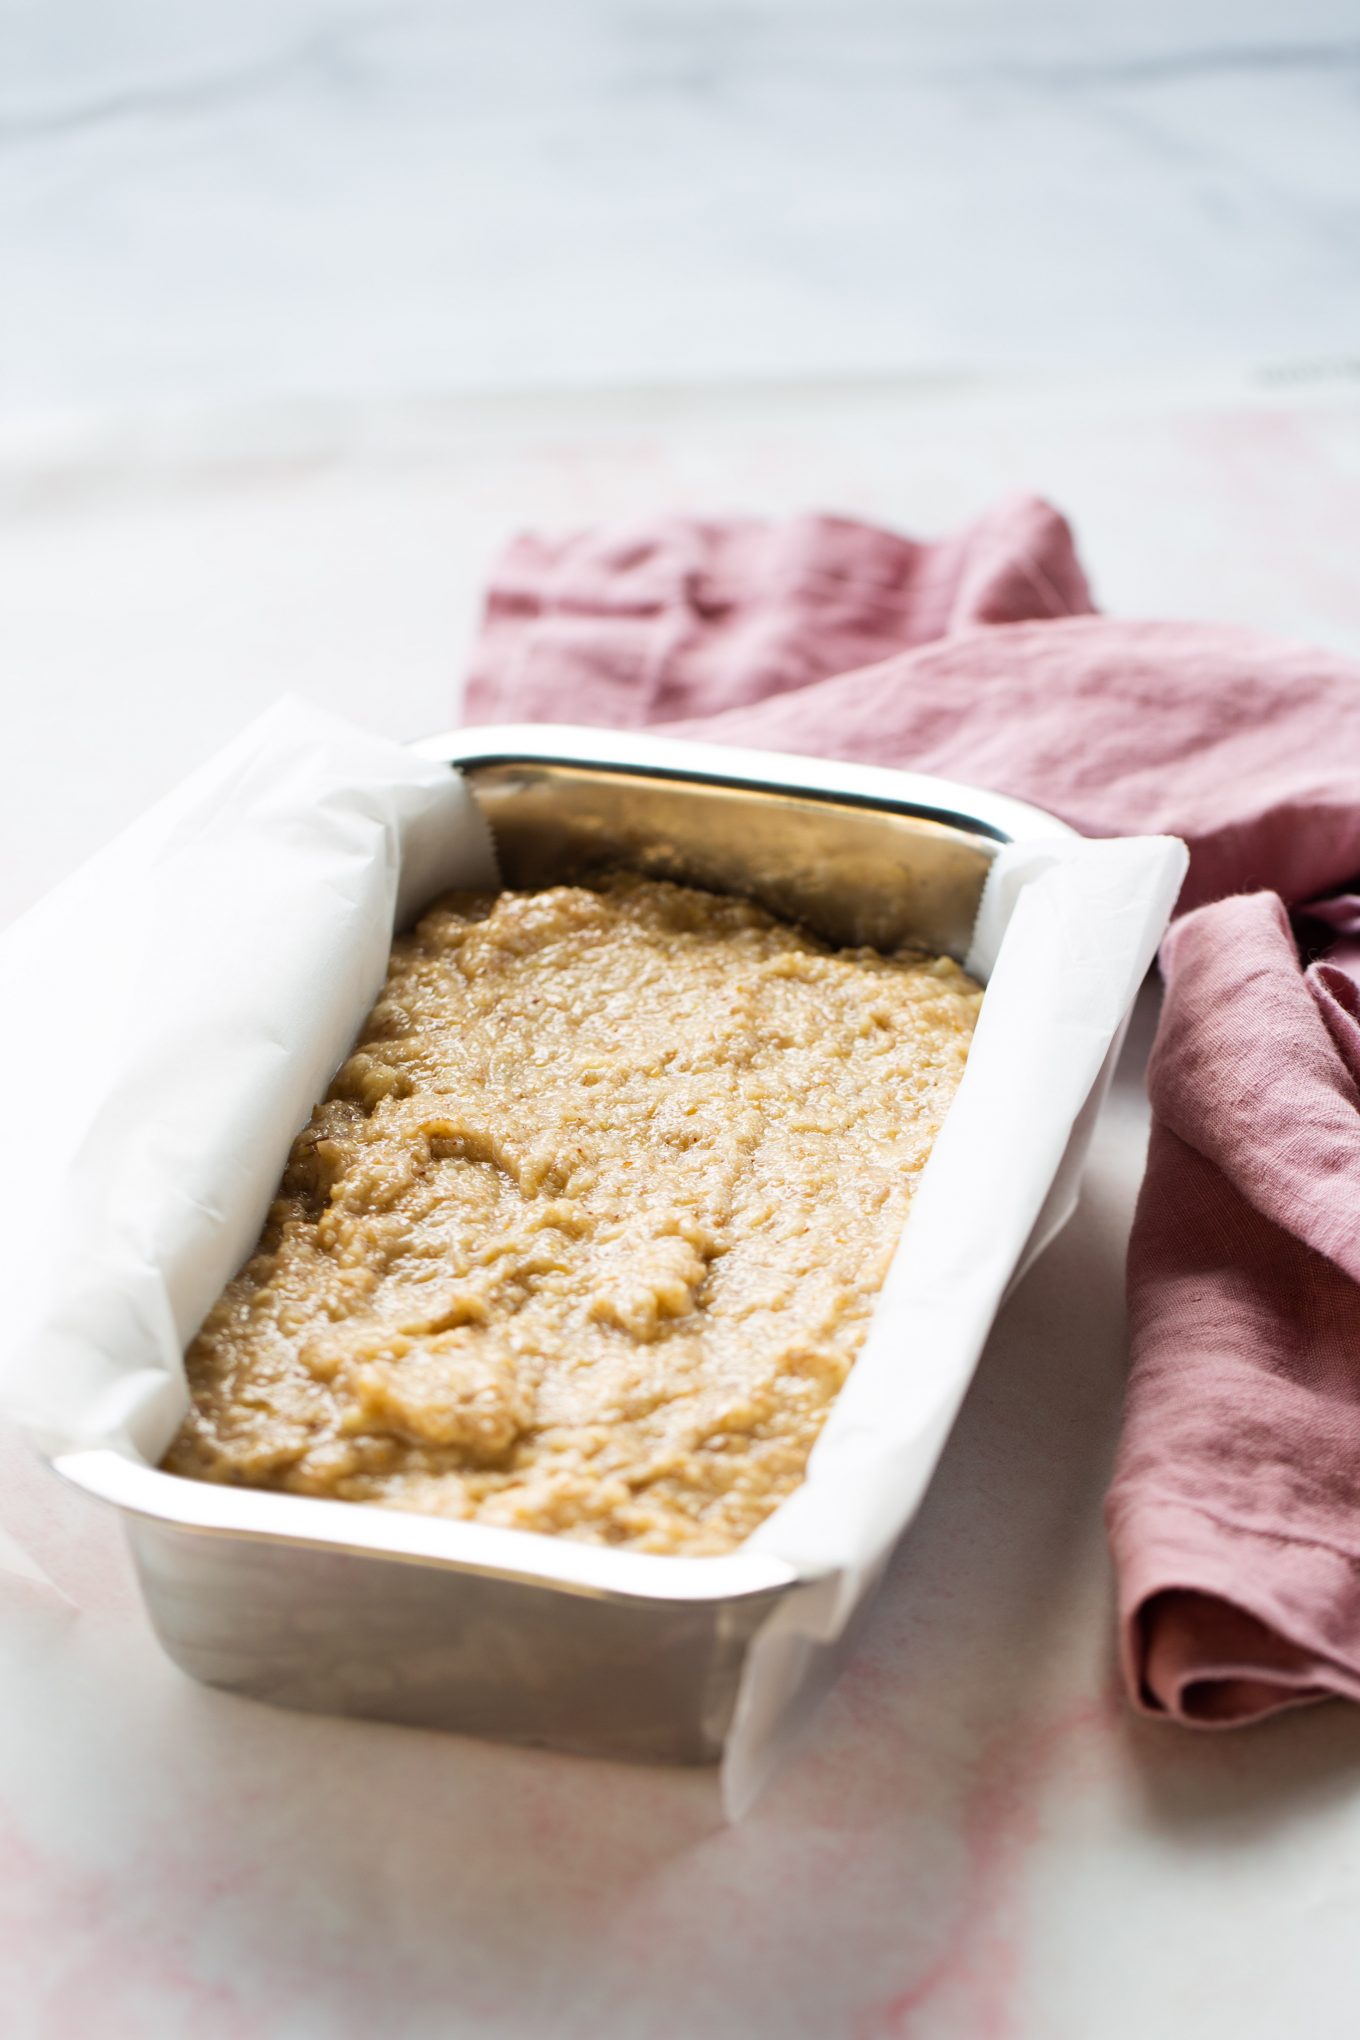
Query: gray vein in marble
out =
(1171, 66)
(324, 53)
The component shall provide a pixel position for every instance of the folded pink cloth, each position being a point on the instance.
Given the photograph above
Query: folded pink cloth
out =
(1234, 1512)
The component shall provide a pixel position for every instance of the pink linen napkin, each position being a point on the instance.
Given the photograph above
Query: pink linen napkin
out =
(1234, 1512)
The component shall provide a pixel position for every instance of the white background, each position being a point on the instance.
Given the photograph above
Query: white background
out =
(303, 307)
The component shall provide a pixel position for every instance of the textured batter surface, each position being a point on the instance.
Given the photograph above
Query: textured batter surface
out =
(587, 1233)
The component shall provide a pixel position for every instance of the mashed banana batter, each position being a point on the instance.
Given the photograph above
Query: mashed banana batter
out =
(587, 1232)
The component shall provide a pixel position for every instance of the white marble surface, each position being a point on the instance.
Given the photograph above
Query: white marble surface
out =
(305, 306)
(315, 195)
(979, 1841)
(161, 583)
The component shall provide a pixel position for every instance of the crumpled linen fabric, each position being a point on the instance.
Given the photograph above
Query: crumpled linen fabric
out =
(1234, 1509)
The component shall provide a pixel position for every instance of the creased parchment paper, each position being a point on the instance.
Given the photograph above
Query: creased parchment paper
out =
(183, 1001)
(193, 989)
(1066, 933)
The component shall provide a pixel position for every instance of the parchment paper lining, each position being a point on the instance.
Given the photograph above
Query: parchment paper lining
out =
(184, 999)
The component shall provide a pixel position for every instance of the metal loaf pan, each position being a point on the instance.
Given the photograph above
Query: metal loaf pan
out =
(343, 1609)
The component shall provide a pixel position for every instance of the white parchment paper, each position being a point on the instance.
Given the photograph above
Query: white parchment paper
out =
(1065, 935)
(184, 1000)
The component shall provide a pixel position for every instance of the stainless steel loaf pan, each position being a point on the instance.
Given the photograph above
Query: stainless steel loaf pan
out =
(344, 1609)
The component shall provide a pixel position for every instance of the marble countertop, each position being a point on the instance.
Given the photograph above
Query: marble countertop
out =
(307, 306)
(322, 196)
(979, 1842)
(166, 576)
